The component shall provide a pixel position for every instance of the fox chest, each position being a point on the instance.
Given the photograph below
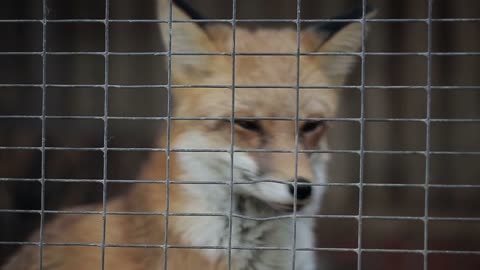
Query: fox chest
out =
(260, 237)
(256, 245)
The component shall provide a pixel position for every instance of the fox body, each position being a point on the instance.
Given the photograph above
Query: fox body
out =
(272, 178)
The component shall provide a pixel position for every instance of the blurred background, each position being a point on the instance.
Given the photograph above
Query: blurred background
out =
(454, 196)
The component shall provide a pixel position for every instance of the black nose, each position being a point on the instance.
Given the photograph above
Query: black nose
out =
(303, 191)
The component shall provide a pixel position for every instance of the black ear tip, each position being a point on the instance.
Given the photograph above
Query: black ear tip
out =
(187, 8)
(354, 14)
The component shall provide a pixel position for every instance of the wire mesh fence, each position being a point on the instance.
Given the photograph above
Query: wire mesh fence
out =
(85, 91)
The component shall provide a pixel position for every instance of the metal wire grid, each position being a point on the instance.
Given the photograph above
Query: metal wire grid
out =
(232, 133)
(105, 133)
(427, 153)
(362, 141)
(427, 140)
(169, 98)
(44, 95)
(297, 115)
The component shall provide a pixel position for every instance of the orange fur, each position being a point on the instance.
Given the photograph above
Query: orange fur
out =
(205, 102)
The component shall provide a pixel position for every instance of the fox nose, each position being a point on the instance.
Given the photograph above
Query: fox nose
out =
(303, 191)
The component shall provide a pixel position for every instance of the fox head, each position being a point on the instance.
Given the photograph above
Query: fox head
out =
(266, 153)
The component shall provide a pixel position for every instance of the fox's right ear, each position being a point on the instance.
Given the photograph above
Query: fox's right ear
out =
(187, 37)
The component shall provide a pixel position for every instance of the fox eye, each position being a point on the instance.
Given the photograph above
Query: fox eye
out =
(251, 125)
(312, 126)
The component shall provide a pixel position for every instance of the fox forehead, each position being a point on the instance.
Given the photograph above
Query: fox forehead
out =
(259, 39)
(267, 69)
(255, 102)
(283, 103)
(254, 74)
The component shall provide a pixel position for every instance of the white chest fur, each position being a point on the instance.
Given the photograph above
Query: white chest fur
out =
(260, 240)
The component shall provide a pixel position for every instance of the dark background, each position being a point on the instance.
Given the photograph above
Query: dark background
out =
(20, 169)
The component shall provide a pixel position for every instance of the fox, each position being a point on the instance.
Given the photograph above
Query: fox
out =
(244, 163)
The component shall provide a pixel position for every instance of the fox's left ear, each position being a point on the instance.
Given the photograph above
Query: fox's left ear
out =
(338, 37)
(187, 37)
